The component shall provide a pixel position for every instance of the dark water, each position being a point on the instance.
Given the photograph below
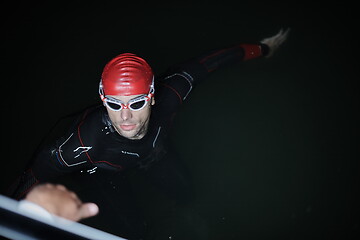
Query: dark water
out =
(272, 143)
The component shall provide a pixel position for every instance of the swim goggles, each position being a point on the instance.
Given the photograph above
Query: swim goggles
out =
(135, 104)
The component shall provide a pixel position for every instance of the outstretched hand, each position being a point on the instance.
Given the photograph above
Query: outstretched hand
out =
(275, 41)
(60, 201)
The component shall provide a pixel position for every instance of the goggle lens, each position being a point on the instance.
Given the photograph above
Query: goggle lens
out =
(137, 105)
(113, 106)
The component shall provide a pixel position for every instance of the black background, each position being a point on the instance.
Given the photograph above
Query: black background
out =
(272, 143)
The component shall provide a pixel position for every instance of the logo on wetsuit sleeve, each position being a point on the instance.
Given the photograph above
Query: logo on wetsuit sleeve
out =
(81, 150)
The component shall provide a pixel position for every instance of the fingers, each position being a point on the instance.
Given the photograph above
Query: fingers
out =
(59, 186)
(87, 210)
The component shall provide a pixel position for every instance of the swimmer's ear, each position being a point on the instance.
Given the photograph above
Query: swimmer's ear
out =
(152, 101)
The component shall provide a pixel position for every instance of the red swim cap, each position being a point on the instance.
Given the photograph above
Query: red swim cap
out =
(127, 74)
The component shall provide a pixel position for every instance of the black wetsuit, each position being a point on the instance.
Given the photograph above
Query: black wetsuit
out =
(95, 155)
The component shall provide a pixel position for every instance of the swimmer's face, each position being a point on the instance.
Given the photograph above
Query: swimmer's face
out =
(129, 123)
